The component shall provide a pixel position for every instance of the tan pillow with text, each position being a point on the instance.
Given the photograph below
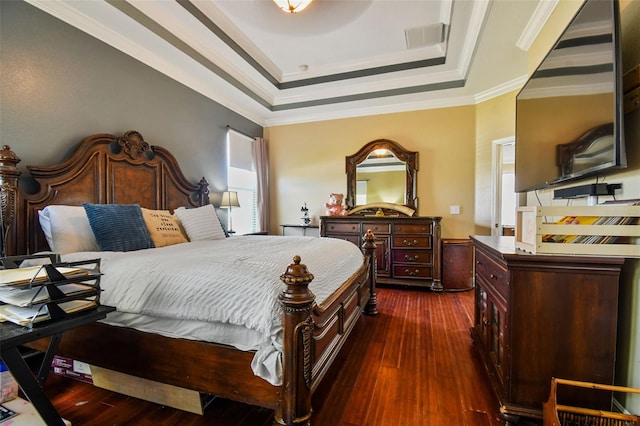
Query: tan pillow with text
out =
(163, 227)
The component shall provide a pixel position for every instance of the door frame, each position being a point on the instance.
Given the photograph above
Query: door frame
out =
(496, 181)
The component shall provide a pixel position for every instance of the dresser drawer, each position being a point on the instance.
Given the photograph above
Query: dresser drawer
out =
(411, 241)
(412, 271)
(492, 273)
(411, 256)
(342, 228)
(376, 228)
(412, 228)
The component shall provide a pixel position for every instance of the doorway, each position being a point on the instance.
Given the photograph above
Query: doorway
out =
(503, 216)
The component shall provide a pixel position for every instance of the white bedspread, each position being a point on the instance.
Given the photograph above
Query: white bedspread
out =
(232, 283)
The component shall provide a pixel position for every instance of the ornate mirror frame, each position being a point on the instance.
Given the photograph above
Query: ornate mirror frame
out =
(410, 158)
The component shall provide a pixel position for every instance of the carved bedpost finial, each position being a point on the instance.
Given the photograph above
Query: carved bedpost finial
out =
(297, 273)
(369, 249)
(9, 174)
(297, 301)
(203, 191)
(133, 144)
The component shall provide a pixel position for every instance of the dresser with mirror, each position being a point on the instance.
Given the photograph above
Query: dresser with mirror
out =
(381, 197)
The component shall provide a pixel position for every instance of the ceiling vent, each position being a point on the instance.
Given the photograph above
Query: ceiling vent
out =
(427, 35)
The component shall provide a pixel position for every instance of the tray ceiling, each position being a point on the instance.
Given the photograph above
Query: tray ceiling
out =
(335, 59)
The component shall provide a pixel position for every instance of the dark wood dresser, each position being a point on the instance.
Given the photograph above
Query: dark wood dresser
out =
(408, 251)
(538, 316)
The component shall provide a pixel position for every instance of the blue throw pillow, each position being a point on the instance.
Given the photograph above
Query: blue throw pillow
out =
(118, 227)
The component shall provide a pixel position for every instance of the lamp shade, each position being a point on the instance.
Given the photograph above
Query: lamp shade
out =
(229, 199)
(292, 6)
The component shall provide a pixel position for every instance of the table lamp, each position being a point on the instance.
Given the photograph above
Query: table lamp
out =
(230, 199)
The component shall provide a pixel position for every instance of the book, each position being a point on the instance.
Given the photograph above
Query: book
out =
(570, 220)
(590, 220)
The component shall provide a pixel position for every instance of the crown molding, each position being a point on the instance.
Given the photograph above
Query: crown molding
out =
(536, 23)
(501, 89)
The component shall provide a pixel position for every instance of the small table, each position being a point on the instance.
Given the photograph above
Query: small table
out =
(13, 335)
(303, 229)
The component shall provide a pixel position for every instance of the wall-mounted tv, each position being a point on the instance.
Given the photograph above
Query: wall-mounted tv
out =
(569, 117)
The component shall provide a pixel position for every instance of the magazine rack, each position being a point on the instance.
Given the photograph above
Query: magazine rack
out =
(555, 414)
(620, 236)
(47, 291)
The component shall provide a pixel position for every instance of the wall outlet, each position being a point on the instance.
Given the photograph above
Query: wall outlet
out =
(454, 209)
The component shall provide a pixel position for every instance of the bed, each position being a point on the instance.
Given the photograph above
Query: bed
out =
(125, 170)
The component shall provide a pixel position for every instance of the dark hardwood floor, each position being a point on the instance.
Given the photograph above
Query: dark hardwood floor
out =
(412, 364)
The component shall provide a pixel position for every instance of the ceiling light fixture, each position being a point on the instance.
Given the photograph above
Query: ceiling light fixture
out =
(292, 6)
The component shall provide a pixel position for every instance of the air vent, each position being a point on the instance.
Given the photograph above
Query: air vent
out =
(427, 35)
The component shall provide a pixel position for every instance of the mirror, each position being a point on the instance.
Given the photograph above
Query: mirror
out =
(382, 171)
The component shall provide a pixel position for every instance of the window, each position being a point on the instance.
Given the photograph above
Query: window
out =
(242, 178)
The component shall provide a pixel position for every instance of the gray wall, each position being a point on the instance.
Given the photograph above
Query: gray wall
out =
(59, 85)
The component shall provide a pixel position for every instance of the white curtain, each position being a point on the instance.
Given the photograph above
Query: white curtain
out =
(261, 158)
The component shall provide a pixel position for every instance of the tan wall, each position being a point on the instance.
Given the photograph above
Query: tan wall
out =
(495, 119)
(308, 162)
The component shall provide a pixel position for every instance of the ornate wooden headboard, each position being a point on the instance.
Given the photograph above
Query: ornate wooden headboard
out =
(103, 169)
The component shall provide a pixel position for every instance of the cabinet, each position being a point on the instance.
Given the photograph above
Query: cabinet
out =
(408, 248)
(457, 264)
(543, 316)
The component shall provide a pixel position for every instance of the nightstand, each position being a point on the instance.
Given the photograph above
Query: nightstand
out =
(304, 230)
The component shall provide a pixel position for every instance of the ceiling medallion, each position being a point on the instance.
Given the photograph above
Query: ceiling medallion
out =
(292, 6)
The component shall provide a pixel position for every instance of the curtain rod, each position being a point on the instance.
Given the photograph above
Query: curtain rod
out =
(238, 131)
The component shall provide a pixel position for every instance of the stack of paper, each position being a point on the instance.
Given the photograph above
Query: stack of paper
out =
(25, 294)
(35, 274)
(36, 313)
(36, 295)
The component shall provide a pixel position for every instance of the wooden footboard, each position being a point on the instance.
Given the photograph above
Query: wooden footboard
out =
(101, 170)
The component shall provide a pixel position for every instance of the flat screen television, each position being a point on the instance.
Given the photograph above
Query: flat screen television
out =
(569, 115)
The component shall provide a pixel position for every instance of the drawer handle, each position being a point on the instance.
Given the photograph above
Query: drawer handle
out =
(411, 258)
(409, 243)
(493, 276)
(478, 262)
(411, 274)
(485, 323)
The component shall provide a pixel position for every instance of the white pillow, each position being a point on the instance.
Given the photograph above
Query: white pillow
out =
(201, 223)
(67, 229)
